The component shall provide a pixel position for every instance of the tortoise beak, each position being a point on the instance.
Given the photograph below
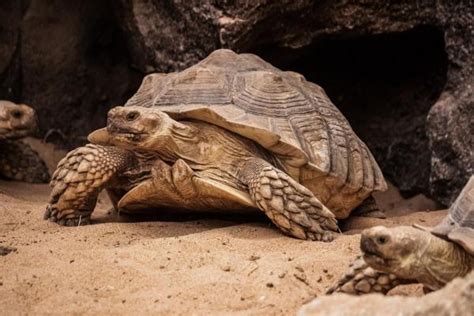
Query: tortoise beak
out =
(100, 136)
(368, 245)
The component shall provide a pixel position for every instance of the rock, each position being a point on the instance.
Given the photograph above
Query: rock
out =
(171, 36)
(457, 298)
(10, 19)
(451, 129)
(450, 125)
(74, 66)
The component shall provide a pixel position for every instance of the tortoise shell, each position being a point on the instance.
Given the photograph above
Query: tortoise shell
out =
(458, 225)
(289, 116)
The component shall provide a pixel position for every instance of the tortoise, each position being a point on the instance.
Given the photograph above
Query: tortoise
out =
(18, 161)
(230, 133)
(404, 254)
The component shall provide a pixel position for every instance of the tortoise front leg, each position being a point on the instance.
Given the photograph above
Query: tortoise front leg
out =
(18, 161)
(80, 177)
(290, 206)
(362, 279)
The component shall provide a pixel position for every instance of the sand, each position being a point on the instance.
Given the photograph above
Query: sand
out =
(170, 264)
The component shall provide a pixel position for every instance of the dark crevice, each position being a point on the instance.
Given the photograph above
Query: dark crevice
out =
(385, 85)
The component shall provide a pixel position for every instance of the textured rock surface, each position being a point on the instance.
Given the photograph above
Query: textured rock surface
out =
(67, 60)
(450, 123)
(74, 66)
(10, 18)
(167, 36)
(457, 298)
(451, 133)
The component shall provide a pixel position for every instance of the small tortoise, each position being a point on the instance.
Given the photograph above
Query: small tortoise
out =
(18, 161)
(401, 255)
(230, 133)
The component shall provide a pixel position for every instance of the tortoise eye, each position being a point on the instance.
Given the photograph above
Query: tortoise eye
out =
(16, 114)
(382, 240)
(132, 116)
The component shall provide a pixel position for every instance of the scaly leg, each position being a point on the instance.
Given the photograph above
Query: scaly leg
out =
(80, 177)
(362, 279)
(18, 161)
(290, 206)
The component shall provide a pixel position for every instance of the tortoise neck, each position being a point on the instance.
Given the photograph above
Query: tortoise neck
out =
(205, 146)
(179, 140)
(442, 262)
(184, 133)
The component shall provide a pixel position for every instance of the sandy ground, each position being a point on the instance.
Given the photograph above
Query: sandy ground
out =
(170, 265)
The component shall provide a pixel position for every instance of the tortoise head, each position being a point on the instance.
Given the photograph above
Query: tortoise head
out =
(137, 127)
(16, 120)
(395, 250)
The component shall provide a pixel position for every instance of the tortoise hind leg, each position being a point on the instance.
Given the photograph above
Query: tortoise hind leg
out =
(362, 279)
(290, 206)
(18, 161)
(80, 177)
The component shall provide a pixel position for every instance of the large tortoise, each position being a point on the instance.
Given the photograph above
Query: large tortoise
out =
(402, 255)
(18, 161)
(230, 133)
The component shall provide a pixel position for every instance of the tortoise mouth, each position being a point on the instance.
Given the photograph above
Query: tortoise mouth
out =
(14, 133)
(373, 256)
(372, 253)
(377, 260)
(126, 134)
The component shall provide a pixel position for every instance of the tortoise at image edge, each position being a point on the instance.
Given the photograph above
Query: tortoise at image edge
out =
(229, 133)
(402, 255)
(18, 161)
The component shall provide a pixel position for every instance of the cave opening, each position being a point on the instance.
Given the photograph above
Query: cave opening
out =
(385, 85)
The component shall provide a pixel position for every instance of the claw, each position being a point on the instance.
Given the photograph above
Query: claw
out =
(47, 212)
(51, 215)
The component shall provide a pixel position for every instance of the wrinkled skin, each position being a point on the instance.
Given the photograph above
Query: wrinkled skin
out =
(18, 161)
(394, 250)
(412, 253)
(130, 128)
(401, 255)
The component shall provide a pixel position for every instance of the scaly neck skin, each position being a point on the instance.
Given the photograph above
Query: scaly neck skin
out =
(443, 261)
(179, 142)
(201, 143)
(208, 149)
